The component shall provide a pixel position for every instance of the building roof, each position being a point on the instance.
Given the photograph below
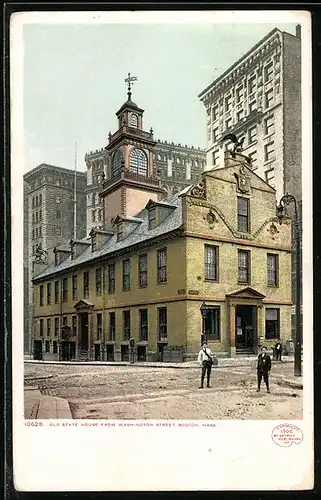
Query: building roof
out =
(44, 166)
(139, 235)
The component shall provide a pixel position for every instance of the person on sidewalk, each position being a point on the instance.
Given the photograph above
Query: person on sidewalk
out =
(278, 351)
(263, 369)
(205, 359)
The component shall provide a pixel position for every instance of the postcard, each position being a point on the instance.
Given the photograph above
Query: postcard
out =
(161, 178)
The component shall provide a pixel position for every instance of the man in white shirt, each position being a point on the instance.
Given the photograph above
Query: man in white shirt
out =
(205, 359)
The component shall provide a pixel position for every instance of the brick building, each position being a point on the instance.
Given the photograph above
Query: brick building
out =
(49, 220)
(161, 272)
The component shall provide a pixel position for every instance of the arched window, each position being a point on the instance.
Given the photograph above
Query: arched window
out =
(134, 120)
(138, 162)
(117, 162)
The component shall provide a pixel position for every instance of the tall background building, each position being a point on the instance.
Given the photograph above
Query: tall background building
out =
(176, 166)
(259, 98)
(49, 220)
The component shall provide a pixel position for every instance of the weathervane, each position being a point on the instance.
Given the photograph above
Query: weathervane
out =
(129, 80)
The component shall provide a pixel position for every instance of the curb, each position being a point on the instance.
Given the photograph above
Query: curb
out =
(289, 383)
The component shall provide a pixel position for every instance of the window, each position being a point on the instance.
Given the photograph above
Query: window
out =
(65, 290)
(243, 205)
(56, 258)
(65, 321)
(112, 326)
(111, 277)
(74, 287)
(48, 294)
(269, 176)
(41, 295)
(99, 325)
(268, 72)
(212, 323)
(98, 281)
(216, 156)
(162, 323)
(117, 162)
(56, 292)
(41, 327)
(40, 215)
(253, 157)
(239, 93)
(244, 266)
(56, 327)
(272, 269)
(152, 217)
(228, 102)
(269, 151)
(47, 346)
(215, 134)
(252, 106)
(269, 125)
(58, 214)
(58, 199)
(93, 216)
(272, 323)
(138, 162)
(239, 115)
(251, 83)
(143, 324)
(142, 270)
(252, 134)
(126, 325)
(269, 98)
(162, 265)
(126, 274)
(55, 347)
(58, 231)
(119, 231)
(215, 113)
(93, 242)
(210, 262)
(134, 120)
(86, 283)
(40, 199)
(48, 327)
(228, 123)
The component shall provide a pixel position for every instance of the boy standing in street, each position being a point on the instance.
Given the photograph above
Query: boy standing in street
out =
(205, 358)
(263, 369)
(278, 351)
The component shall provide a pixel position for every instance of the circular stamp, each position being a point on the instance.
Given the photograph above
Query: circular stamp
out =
(287, 434)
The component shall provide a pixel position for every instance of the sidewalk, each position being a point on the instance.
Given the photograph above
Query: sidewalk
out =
(42, 407)
(222, 363)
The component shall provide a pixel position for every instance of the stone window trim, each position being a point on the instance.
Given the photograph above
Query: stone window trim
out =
(48, 327)
(99, 323)
(126, 325)
(41, 295)
(162, 265)
(111, 277)
(85, 284)
(112, 327)
(48, 294)
(243, 214)
(244, 267)
(143, 324)
(162, 323)
(126, 275)
(98, 276)
(65, 290)
(212, 324)
(142, 271)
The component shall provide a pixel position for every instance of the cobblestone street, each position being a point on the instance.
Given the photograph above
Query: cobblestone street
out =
(132, 392)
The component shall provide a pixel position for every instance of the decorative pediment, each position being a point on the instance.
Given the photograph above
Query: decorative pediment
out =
(246, 293)
(83, 305)
(243, 180)
(198, 191)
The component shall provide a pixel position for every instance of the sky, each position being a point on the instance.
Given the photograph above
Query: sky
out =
(73, 81)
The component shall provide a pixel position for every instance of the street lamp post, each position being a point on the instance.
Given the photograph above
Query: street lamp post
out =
(203, 312)
(286, 200)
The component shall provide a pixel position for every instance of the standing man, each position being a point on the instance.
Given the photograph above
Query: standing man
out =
(205, 359)
(263, 369)
(278, 350)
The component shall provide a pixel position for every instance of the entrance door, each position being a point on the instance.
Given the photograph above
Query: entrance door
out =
(125, 353)
(110, 353)
(245, 324)
(141, 353)
(83, 320)
(97, 352)
(160, 349)
(37, 349)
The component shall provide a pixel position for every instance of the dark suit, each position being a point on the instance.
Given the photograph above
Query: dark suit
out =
(263, 369)
(278, 351)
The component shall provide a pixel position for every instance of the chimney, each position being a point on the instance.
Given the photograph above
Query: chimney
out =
(298, 31)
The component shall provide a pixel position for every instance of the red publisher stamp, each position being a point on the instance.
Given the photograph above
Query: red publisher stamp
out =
(287, 434)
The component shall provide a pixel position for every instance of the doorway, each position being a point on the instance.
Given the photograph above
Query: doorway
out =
(97, 352)
(125, 353)
(83, 323)
(110, 352)
(141, 353)
(160, 351)
(245, 326)
(37, 350)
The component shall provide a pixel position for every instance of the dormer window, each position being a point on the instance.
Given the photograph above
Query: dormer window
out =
(93, 242)
(134, 121)
(72, 252)
(152, 217)
(119, 231)
(56, 259)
